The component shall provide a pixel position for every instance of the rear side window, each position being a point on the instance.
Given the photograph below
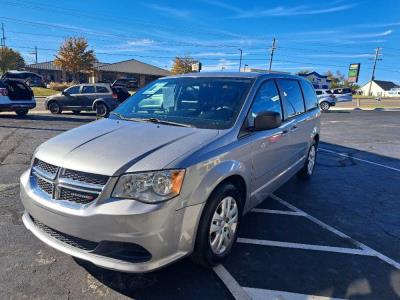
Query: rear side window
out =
(310, 98)
(318, 92)
(294, 103)
(88, 89)
(101, 89)
(267, 99)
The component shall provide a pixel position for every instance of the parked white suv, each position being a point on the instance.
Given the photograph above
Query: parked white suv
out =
(326, 99)
(17, 96)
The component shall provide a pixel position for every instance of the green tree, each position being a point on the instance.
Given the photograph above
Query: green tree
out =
(73, 56)
(183, 65)
(305, 71)
(10, 60)
(338, 80)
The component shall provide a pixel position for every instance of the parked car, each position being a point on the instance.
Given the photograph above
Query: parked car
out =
(129, 83)
(17, 96)
(86, 97)
(104, 105)
(154, 183)
(30, 78)
(326, 99)
(343, 94)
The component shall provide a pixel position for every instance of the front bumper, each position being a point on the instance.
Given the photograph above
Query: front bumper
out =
(166, 232)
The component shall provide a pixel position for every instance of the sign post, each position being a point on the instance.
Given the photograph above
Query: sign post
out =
(354, 71)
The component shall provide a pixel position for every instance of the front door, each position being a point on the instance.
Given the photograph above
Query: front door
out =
(268, 146)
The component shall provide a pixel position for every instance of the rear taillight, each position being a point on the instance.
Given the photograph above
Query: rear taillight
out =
(115, 96)
(3, 92)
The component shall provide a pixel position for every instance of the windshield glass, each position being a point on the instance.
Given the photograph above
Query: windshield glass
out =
(212, 103)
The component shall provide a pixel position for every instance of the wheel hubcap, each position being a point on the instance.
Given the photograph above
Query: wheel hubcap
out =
(325, 106)
(311, 160)
(223, 225)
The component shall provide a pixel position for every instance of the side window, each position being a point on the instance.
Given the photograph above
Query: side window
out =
(310, 99)
(267, 99)
(88, 89)
(101, 89)
(73, 90)
(294, 103)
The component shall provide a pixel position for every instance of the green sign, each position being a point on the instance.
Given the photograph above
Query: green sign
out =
(354, 71)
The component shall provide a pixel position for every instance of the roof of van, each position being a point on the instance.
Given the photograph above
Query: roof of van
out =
(237, 75)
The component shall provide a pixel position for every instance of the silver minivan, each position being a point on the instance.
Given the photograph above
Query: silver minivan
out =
(173, 169)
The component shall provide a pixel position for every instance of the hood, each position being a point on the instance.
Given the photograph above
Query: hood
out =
(111, 147)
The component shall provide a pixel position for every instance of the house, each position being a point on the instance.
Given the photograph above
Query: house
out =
(318, 81)
(378, 88)
(102, 72)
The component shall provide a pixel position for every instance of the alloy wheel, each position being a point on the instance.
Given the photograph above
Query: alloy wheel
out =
(224, 225)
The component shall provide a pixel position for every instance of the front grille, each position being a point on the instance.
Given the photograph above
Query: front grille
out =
(76, 196)
(45, 167)
(65, 184)
(44, 185)
(66, 238)
(84, 177)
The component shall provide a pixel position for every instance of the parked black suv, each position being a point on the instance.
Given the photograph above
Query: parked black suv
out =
(129, 83)
(30, 78)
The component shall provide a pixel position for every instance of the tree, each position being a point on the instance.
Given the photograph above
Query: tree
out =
(305, 71)
(338, 80)
(183, 65)
(74, 57)
(10, 60)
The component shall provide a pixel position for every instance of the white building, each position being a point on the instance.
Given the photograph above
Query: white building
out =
(318, 81)
(379, 88)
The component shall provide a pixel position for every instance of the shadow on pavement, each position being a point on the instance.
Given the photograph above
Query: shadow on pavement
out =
(181, 280)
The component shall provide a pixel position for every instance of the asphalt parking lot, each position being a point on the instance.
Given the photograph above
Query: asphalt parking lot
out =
(337, 236)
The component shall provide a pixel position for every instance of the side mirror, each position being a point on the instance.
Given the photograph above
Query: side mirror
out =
(267, 120)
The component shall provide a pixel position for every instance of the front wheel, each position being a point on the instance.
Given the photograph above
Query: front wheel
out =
(22, 112)
(55, 108)
(218, 226)
(308, 169)
(324, 106)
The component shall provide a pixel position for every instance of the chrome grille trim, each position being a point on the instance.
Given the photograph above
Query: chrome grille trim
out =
(72, 191)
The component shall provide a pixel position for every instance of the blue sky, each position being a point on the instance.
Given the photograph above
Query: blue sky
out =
(314, 35)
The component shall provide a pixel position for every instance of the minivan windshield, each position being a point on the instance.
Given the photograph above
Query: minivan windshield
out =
(202, 102)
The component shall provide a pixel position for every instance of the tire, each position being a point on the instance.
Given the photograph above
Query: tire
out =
(207, 251)
(102, 110)
(54, 108)
(308, 169)
(324, 105)
(76, 112)
(22, 112)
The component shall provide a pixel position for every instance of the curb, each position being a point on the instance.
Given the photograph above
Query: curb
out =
(364, 109)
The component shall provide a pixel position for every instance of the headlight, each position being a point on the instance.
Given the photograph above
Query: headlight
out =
(150, 187)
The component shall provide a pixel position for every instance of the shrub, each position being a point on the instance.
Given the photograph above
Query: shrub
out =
(60, 86)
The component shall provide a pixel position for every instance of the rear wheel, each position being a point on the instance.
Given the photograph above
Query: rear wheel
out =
(308, 169)
(218, 226)
(324, 106)
(76, 112)
(22, 112)
(102, 110)
(55, 108)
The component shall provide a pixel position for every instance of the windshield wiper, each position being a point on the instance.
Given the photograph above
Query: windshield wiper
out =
(127, 119)
(158, 121)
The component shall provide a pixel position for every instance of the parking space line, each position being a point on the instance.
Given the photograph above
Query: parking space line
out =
(278, 212)
(261, 294)
(364, 247)
(304, 246)
(360, 159)
(231, 284)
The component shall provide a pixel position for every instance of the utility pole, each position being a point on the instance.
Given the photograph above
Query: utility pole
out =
(271, 55)
(3, 36)
(240, 62)
(36, 54)
(377, 54)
